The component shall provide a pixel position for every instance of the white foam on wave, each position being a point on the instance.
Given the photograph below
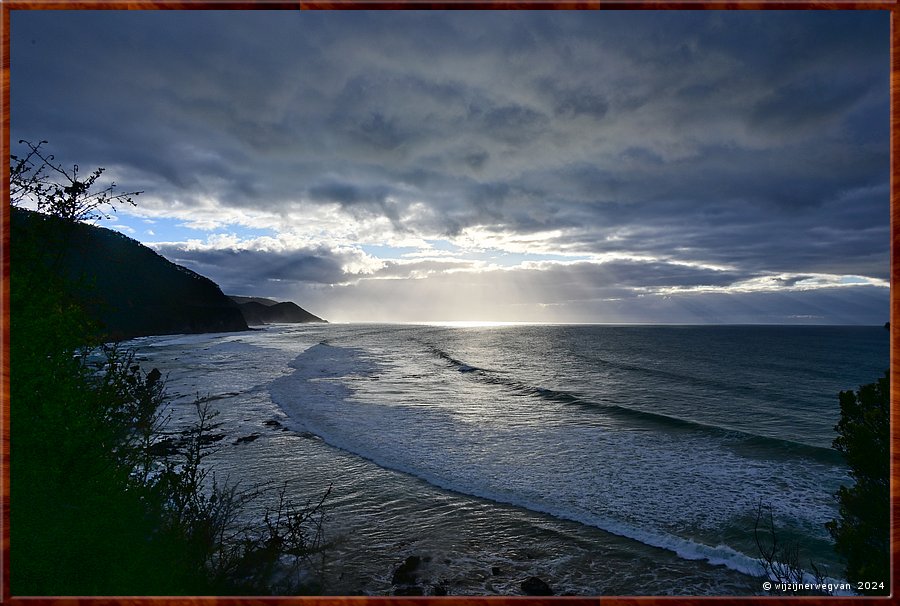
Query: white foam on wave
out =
(185, 340)
(454, 439)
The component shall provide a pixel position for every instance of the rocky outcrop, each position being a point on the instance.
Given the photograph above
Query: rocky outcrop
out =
(536, 586)
(405, 572)
(261, 300)
(258, 311)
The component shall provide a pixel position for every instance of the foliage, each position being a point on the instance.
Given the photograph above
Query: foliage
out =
(77, 526)
(780, 557)
(38, 179)
(99, 505)
(862, 530)
(134, 290)
(235, 555)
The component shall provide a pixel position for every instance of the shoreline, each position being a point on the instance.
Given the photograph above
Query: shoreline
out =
(379, 517)
(466, 537)
(469, 545)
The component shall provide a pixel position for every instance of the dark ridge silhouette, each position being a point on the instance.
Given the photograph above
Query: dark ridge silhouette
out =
(257, 311)
(129, 289)
(261, 300)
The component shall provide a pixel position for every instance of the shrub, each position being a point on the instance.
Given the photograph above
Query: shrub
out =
(862, 530)
(98, 505)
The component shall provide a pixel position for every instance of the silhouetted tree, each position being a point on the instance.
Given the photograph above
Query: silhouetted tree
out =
(779, 555)
(862, 530)
(105, 499)
(36, 178)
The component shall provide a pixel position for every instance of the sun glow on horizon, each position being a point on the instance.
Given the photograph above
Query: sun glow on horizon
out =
(475, 323)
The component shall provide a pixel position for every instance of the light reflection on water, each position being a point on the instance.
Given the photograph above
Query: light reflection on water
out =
(377, 516)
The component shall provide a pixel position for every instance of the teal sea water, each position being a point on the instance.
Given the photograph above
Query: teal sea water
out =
(606, 459)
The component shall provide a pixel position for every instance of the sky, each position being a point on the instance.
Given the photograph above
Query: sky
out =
(547, 166)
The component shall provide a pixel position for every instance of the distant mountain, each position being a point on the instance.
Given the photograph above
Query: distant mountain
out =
(258, 310)
(128, 288)
(262, 301)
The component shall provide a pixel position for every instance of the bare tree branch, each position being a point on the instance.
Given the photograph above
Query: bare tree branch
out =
(65, 195)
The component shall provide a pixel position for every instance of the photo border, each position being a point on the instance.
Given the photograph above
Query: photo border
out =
(16, 5)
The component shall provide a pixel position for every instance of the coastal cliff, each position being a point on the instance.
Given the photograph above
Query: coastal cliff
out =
(126, 287)
(258, 310)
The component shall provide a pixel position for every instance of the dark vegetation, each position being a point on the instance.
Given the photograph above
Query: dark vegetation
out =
(105, 499)
(127, 288)
(861, 532)
(261, 300)
(780, 556)
(131, 290)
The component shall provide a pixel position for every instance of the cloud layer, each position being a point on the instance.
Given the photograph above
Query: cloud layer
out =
(581, 158)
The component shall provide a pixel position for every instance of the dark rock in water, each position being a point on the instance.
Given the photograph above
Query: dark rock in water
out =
(211, 438)
(153, 376)
(536, 586)
(438, 590)
(273, 423)
(171, 446)
(409, 590)
(247, 439)
(404, 573)
(495, 570)
(164, 448)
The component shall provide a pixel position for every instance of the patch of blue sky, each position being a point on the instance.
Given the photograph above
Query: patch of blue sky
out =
(443, 245)
(854, 280)
(166, 229)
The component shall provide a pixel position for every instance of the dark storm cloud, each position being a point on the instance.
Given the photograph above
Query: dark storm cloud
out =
(323, 266)
(805, 104)
(510, 124)
(576, 101)
(348, 194)
(753, 140)
(636, 274)
(242, 271)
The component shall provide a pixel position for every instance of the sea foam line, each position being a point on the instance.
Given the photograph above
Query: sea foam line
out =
(819, 453)
(318, 371)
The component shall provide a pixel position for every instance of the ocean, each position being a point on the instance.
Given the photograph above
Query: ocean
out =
(606, 460)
